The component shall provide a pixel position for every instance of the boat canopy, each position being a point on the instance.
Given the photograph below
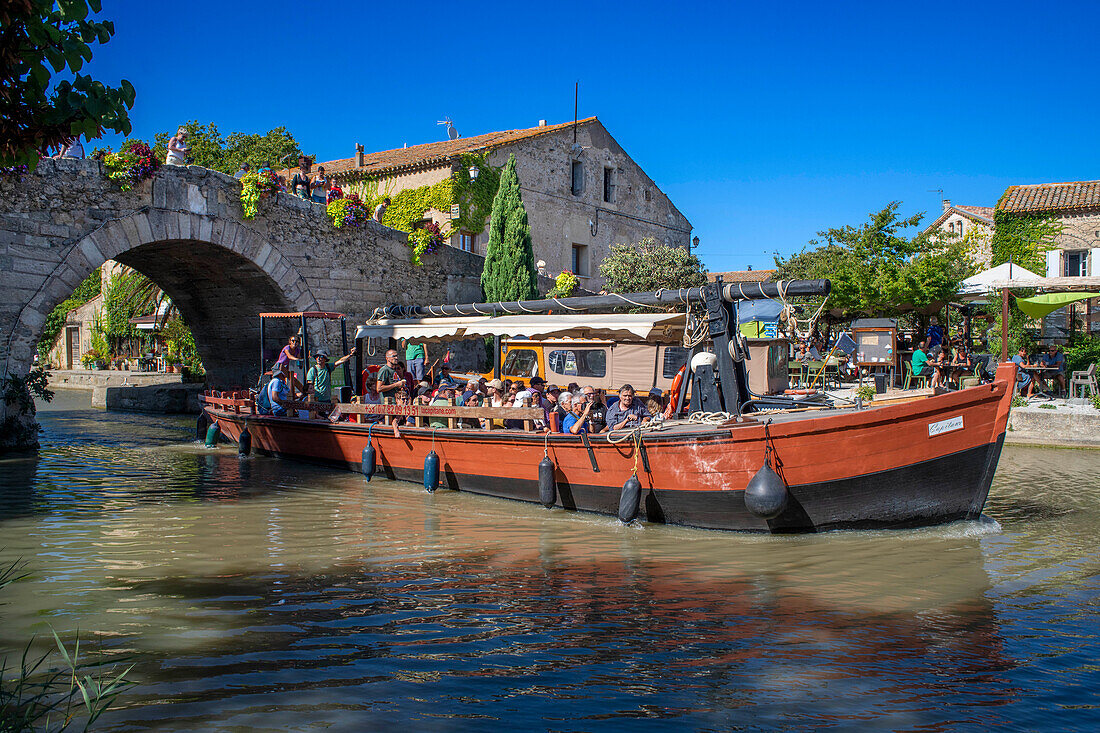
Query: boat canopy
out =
(613, 327)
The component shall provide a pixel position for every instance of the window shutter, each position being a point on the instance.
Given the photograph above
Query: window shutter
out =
(1054, 263)
(1094, 262)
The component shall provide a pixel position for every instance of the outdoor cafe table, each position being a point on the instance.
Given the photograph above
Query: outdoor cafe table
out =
(1039, 373)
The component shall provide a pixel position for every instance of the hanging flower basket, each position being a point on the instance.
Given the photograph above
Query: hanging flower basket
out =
(255, 186)
(131, 165)
(425, 241)
(347, 212)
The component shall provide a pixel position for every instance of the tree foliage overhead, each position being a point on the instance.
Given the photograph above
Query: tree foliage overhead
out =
(509, 272)
(650, 265)
(39, 113)
(225, 153)
(878, 271)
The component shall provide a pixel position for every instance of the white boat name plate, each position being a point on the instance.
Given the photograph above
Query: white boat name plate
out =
(945, 426)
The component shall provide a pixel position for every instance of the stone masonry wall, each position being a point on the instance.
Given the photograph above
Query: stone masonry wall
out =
(184, 229)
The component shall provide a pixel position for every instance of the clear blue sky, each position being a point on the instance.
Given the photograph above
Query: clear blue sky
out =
(764, 122)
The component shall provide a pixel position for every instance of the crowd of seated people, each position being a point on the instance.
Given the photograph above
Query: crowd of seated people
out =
(573, 409)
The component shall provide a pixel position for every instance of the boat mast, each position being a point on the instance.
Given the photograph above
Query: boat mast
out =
(729, 293)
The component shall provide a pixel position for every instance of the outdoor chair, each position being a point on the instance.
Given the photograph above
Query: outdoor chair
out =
(921, 380)
(971, 380)
(1084, 380)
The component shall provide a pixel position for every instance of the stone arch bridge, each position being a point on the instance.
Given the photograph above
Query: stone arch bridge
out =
(185, 230)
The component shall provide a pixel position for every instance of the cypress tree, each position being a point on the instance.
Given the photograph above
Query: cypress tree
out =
(509, 272)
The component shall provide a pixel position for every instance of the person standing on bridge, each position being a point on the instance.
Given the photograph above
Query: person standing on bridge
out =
(177, 148)
(319, 187)
(300, 183)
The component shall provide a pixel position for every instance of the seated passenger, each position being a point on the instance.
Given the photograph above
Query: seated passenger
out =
(627, 412)
(278, 390)
(443, 398)
(576, 422)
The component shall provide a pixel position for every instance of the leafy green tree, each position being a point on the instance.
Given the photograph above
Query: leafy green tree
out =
(210, 149)
(509, 272)
(650, 265)
(878, 271)
(55, 321)
(38, 114)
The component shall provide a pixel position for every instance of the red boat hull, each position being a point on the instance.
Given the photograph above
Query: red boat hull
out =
(923, 462)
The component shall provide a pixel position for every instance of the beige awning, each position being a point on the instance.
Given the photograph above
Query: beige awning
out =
(608, 326)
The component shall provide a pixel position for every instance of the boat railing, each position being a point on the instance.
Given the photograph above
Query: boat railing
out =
(242, 403)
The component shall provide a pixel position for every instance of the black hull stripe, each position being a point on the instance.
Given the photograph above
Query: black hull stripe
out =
(943, 489)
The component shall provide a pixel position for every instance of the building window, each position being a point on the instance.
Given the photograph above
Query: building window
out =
(609, 185)
(580, 260)
(466, 241)
(648, 195)
(578, 178)
(960, 228)
(1075, 263)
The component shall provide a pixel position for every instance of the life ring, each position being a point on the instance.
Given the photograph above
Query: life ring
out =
(674, 392)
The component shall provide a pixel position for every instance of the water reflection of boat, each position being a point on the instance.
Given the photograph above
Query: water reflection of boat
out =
(769, 464)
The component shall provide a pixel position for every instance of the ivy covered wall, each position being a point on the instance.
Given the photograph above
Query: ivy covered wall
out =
(408, 206)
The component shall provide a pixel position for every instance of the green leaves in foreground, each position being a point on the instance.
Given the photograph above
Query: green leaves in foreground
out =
(41, 39)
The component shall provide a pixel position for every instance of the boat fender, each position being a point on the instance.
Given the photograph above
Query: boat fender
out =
(212, 435)
(201, 424)
(548, 487)
(431, 471)
(766, 494)
(368, 456)
(629, 499)
(244, 443)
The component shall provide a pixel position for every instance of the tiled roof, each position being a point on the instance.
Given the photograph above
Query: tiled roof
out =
(433, 154)
(1042, 197)
(982, 212)
(742, 276)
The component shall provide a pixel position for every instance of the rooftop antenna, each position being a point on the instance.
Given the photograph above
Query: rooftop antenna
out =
(452, 133)
(576, 97)
(937, 190)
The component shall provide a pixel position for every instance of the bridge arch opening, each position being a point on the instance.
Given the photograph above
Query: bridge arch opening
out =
(218, 294)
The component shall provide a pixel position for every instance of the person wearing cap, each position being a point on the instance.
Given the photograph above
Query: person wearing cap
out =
(278, 390)
(443, 398)
(655, 402)
(319, 376)
(537, 385)
(472, 386)
(494, 393)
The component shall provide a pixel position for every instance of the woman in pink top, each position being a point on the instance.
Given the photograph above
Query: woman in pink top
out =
(291, 352)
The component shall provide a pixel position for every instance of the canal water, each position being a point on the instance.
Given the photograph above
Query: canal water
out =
(263, 595)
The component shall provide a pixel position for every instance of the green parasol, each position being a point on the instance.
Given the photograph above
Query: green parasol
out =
(1038, 306)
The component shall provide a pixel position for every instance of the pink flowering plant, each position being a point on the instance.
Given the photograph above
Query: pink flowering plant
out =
(131, 165)
(424, 241)
(350, 211)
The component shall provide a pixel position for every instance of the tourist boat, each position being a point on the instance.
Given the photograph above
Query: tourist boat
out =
(742, 461)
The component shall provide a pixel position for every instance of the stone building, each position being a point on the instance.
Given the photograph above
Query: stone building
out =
(971, 223)
(1076, 206)
(582, 191)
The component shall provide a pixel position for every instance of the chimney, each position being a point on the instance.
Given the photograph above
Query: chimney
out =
(542, 123)
(946, 204)
(359, 162)
(750, 268)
